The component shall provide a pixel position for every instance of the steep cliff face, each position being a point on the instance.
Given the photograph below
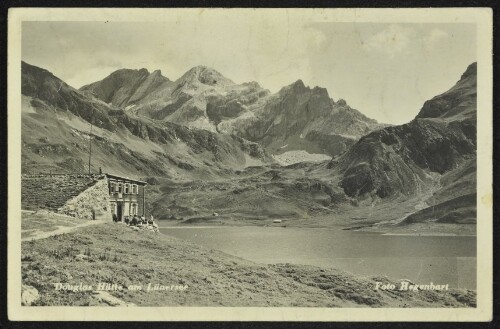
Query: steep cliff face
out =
(403, 159)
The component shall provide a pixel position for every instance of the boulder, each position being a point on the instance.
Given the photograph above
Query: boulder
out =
(29, 295)
(81, 257)
(104, 297)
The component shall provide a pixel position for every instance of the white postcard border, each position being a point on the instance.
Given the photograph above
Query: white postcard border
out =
(482, 17)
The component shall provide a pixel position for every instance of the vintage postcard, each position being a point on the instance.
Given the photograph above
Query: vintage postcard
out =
(250, 164)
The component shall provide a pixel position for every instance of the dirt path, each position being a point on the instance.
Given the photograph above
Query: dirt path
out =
(38, 234)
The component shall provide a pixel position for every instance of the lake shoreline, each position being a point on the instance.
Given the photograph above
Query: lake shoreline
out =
(188, 226)
(417, 229)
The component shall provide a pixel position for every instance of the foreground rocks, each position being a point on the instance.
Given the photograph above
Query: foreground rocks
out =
(104, 297)
(29, 295)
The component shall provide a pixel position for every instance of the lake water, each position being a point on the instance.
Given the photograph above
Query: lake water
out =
(422, 259)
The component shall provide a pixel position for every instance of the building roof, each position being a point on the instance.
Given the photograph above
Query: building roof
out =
(127, 179)
(52, 191)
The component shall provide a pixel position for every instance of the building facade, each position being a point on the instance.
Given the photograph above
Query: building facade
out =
(127, 196)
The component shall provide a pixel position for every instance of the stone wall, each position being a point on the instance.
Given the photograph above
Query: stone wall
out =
(94, 199)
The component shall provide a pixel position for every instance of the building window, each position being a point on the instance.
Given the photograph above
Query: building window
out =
(134, 209)
(119, 188)
(111, 187)
(126, 188)
(134, 189)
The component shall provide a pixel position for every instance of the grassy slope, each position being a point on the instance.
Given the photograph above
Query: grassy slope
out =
(123, 256)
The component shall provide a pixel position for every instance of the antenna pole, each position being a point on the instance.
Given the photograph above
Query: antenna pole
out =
(90, 138)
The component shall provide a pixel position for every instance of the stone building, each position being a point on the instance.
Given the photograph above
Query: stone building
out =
(84, 196)
(126, 196)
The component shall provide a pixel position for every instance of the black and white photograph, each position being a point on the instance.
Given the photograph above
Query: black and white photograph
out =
(250, 159)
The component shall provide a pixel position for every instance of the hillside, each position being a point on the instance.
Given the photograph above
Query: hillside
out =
(433, 157)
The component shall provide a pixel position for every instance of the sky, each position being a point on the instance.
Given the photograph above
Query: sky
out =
(385, 70)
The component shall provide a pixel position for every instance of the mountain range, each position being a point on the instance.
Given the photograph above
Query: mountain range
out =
(240, 137)
(295, 118)
(56, 132)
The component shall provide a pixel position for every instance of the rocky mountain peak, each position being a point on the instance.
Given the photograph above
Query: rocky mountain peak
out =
(321, 92)
(126, 74)
(471, 70)
(156, 73)
(305, 118)
(459, 101)
(299, 86)
(341, 102)
(144, 71)
(296, 87)
(205, 75)
(125, 86)
(252, 84)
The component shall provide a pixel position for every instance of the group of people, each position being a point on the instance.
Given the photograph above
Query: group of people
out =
(135, 220)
